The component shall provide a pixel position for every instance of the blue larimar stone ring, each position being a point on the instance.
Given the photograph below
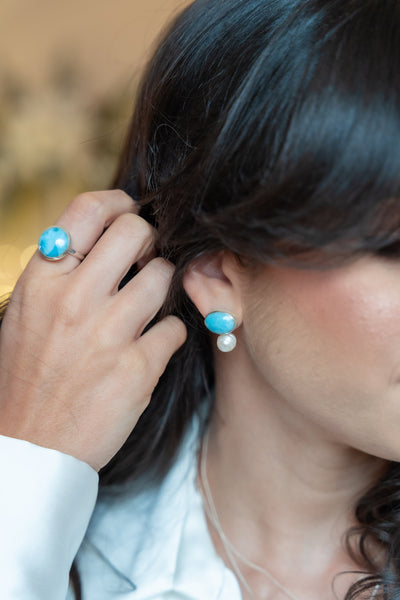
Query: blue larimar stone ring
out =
(55, 243)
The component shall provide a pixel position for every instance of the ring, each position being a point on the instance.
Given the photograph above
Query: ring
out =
(55, 243)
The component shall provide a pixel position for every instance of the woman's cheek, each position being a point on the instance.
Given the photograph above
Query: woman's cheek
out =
(359, 320)
(326, 347)
(342, 323)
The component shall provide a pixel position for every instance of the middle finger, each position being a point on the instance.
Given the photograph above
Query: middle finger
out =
(128, 239)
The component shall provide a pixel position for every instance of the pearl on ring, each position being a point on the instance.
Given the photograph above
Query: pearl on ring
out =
(55, 243)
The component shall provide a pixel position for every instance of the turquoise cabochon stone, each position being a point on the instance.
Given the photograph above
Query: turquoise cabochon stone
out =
(220, 322)
(54, 242)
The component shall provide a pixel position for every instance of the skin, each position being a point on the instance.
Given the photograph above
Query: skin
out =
(307, 406)
(75, 375)
(307, 412)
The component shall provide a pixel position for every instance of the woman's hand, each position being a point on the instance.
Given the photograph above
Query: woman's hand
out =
(75, 372)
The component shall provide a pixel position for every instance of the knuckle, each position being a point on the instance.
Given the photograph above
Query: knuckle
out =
(139, 364)
(120, 195)
(147, 289)
(68, 311)
(163, 268)
(177, 328)
(134, 227)
(156, 278)
(28, 287)
(88, 204)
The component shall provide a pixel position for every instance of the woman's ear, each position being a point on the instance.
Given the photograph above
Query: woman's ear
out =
(212, 282)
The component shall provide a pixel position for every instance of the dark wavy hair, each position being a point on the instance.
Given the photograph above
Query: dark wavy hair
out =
(271, 129)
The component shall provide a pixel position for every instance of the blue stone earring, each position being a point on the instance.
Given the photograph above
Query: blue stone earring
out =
(222, 323)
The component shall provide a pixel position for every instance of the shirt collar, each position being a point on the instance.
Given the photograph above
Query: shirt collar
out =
(156, 541)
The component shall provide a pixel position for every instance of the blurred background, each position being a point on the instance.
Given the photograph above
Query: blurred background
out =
(68, 75)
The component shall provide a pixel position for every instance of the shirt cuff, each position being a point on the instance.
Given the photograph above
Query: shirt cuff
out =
(46, 501)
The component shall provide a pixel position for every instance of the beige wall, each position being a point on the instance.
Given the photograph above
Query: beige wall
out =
(108, 38)
(53, 143)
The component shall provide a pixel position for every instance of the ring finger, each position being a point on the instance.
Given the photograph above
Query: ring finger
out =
(85, 219)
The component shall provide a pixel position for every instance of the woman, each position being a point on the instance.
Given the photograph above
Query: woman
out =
(264, 150)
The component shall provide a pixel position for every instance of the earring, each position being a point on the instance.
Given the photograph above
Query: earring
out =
(222, 323)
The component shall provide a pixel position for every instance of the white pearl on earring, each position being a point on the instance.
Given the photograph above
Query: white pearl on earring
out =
(226, 342)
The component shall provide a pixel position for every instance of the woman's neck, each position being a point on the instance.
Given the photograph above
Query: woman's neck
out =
(284, 491)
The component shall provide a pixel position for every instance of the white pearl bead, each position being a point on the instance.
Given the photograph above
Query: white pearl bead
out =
(226, 342)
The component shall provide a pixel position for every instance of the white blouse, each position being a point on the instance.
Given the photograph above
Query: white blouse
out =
(131, 544)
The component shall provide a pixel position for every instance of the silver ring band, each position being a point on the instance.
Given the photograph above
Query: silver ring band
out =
(75, 253)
